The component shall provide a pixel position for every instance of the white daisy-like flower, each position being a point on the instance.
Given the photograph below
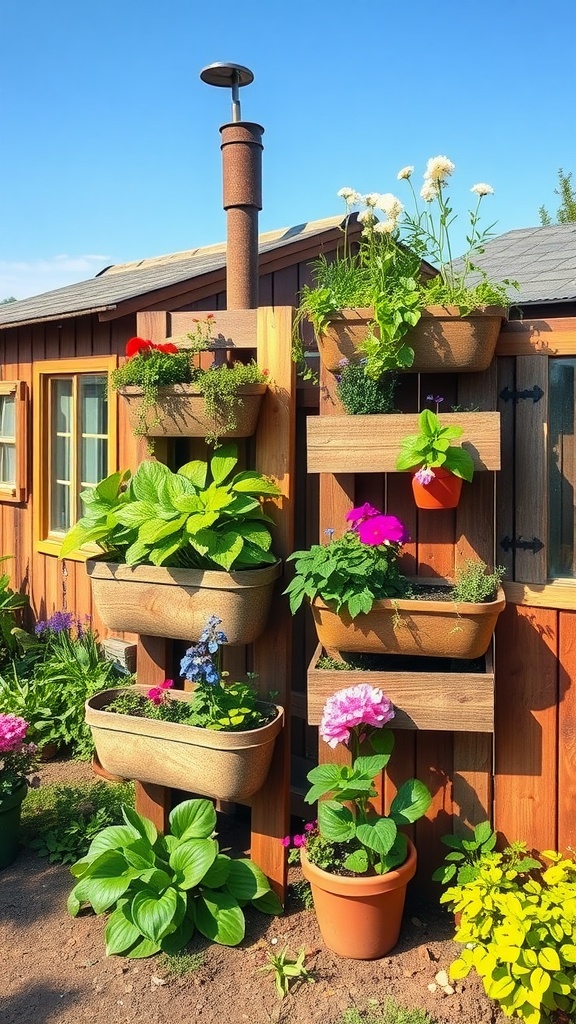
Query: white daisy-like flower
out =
(385, 227)
(372, 198)
(367, 217)
(482, 189)
(390, 205)
(430, 191)
(406, 172)
(349, 195)
(438, 168)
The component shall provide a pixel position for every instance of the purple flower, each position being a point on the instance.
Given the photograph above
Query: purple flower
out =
(424, 475)
(357, 515)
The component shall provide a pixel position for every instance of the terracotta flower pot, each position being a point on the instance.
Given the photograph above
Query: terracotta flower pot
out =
(222, 765)
(433, 629)
(443, 491)
(160, 601)
(360, 918)
(443, 340)
(10, 814)
(181, 411)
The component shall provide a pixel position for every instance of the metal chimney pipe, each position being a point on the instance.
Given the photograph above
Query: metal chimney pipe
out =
(241, 147)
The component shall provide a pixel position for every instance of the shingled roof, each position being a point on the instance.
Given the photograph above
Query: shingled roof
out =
(118, 284)
(542, 260)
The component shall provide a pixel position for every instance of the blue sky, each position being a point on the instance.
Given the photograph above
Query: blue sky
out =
(110, 142)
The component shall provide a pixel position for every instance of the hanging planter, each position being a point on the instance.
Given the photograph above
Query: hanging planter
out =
(180, 410)
(442, 492)
(428, 628)
(443, 340)
(159, 601)
(360, 917)
(222, 765)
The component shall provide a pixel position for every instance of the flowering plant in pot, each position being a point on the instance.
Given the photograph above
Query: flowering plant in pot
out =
(440, 465)
(170, 395)
(361, 602)
(216, 739)
(357, 861)
(17, 761)
(200, 530)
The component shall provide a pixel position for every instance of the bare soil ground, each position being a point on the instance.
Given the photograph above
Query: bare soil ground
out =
(54, 970)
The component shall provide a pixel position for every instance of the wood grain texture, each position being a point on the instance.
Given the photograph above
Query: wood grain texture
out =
(567, 730)
(370, 444)
(553, 337)
(531, 470)
(554, 594)
(506, 378)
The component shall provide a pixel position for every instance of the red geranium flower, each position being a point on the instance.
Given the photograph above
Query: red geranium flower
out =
(168, 347)
(136, 345)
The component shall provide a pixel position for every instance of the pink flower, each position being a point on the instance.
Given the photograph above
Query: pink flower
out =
(310, 826)
(382, 529)
(357, 705)
(299, 840)
(285, 842)
(424, 475)
(357, 515)
(12, 732)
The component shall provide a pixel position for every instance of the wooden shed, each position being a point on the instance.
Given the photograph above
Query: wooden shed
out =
(523, 773)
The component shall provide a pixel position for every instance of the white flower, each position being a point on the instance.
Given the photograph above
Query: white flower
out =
(430, 190)
(438, 168)
(349, 195)
(371, 199)
(406, 172)
(385, 227)
(482, 189)
(367, 217)
(390, 205)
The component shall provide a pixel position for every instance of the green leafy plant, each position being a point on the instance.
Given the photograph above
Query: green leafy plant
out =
(199, 517)
(431, 449)
(302, 893)
(11, 603)
(517, 925)
(390, 1012)
(362, 395)
(160, 890)
(474, 583)
(220, 386)
(360, 841)
(356, 569)
(469, 852)
(60, 822)
(287, 970)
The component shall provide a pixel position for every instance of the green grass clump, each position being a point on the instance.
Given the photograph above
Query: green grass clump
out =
(388, 1013)
(178, 965)
(60, 822)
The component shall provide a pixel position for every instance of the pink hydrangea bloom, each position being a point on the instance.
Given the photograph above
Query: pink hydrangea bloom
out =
(357, 515)
(12, 732)
(382, 529)
(357, 705)
(424, 475)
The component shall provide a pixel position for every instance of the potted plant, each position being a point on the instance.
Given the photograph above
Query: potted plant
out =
(358, 862)
(441, 465)
(216, 740)
(380, 302)
(361, 602)
(160, 890)
(168, 395)
(180, 546)
(17, 759)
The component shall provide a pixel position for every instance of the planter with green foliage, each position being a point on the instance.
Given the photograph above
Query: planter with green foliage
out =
(160, 890)
(178, 547)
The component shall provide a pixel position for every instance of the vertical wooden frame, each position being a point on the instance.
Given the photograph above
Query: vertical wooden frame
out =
(19, 492)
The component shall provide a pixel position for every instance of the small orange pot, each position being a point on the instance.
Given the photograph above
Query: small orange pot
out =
(360, 918)
(442, 492)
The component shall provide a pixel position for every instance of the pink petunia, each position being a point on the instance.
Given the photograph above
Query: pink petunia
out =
(285, 842)
(382, 529)
(356, 705)
(357, 515)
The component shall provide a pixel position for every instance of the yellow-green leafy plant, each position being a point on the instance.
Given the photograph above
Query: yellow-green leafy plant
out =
(518, 929)
(287, 970)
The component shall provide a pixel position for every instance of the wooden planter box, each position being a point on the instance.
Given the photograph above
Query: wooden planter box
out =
(181, 411)
(222, 765)
(371, 444)
(447, 701)
(443, 340)
(160, 601)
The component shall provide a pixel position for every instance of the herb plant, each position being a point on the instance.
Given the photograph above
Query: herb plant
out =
(517, 926)
(390, 1012)
(200, 517)
(362, 395)
(432, 449)
(159, 890)
(356, 569)
(475, 583)
(287, 970)
(359, 841)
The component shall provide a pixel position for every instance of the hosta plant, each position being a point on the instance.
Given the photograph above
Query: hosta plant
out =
(200, 517)
(159, 890)
(518, 928)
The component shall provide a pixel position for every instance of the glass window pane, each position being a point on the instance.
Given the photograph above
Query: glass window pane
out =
(7, 416)
(8, 464)
(93, 404)
(62, 406)
(60, 508)
(562, 468)
(62, 452)
(93, 460)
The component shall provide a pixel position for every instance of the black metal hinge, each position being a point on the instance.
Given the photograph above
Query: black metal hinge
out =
(516, 543)
(535, 394)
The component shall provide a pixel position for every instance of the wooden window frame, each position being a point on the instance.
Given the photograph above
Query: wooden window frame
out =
(44, 372)
(18, 492)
